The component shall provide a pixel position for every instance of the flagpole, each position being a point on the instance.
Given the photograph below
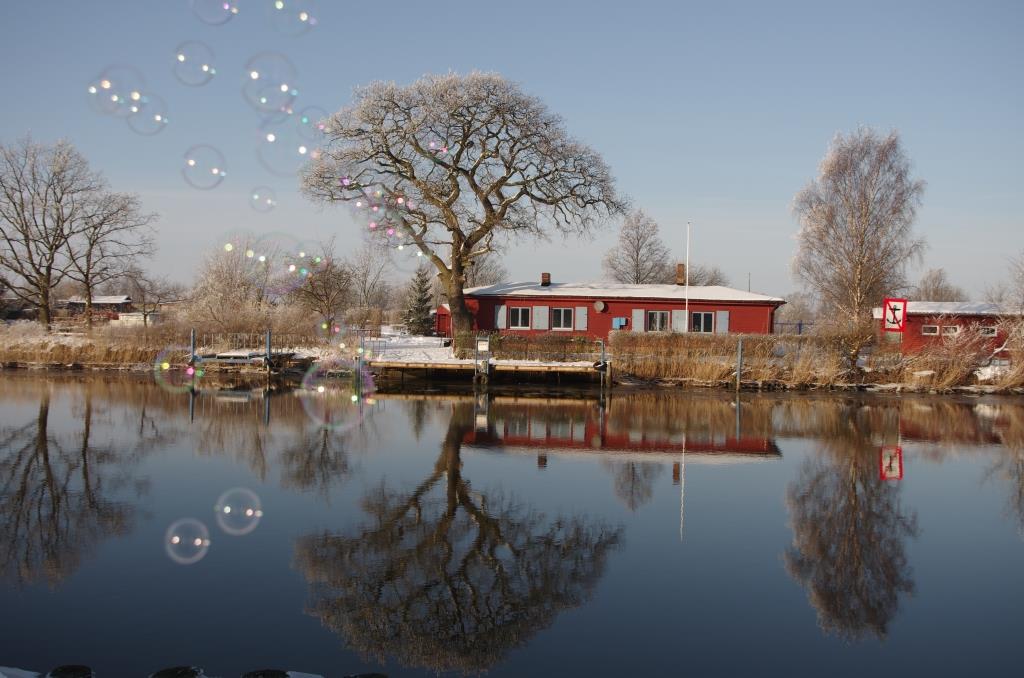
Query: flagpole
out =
(687, 293)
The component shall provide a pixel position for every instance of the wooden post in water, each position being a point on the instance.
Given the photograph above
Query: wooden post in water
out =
(192, 346)
(268, 340)
(739, 364)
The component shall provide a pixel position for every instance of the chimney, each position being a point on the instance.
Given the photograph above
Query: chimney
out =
(545, 279)
(680, 274)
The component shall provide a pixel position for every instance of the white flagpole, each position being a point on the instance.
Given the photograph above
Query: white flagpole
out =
(687, 292)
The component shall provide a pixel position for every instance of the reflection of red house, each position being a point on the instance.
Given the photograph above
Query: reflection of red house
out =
(929, 322)
(595, 309)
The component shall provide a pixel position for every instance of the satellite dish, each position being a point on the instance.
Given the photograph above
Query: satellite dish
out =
(600, 306)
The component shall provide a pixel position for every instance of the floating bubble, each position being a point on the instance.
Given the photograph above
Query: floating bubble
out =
(282, 150)
(262, 199)
(334, 393)
(204, 167)
(238, 511)
(214, 12)
(116, 90)
(193, 63)
(148, 115)
(187, 541)
(173, 372)
(312, 121)
(269, 84)
(293, 17)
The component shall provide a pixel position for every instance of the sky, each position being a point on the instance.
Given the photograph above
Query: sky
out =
(712, 113)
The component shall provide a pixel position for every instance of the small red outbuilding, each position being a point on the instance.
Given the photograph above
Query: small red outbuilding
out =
(928, 322)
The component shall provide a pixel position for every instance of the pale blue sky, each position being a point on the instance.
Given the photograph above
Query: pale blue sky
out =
(713, 112)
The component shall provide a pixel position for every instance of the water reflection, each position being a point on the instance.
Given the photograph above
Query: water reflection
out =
(445, 577)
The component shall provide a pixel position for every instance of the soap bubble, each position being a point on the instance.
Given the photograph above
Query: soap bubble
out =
(312, 122)
(148, 115)
(281, 150)
(193, 63)
(262, 199)
(187, 541)
(214, 12)
(335, 391)
(204, 167)
(238, 511)
(293, 17)
(269, 84)
(172, 371)
(115, 90)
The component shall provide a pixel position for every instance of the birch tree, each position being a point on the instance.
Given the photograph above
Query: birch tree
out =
(856, 220)
(454, 163)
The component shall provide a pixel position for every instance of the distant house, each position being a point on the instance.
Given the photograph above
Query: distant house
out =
(595, 309)
(928, 322)
(113, 304)
(12, 308)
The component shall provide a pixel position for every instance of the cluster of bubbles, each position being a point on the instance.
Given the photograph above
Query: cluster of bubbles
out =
(326, 397)
(383, 213)
(238, 511)
(289, 260)
(121, 92)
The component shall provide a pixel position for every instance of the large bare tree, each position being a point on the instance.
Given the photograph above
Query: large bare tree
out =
(48, 197)
(856, 220)
(640, 256)
(936, 286)
(451, 163)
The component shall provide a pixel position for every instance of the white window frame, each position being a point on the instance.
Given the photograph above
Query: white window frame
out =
(511, 323)
(987, 331)
(930, 330)
(950, 330)
(560, 313)
(705, 329)
(664, 324)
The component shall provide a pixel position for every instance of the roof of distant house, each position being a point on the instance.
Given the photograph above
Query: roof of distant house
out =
(621, 290)
(936, 308)
(112, 299)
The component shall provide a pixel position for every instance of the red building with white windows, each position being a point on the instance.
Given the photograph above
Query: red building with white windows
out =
(928, 322)
(595, 309)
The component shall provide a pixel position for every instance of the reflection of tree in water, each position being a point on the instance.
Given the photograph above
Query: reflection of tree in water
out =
(634, 481)
(849, 533)
(447, 578)
(317, 458)
(53, 503)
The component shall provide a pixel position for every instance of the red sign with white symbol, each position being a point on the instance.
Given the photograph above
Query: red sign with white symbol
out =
(894, 314)
(890, 463)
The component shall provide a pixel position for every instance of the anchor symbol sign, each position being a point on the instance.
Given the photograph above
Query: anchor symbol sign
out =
(894, 315)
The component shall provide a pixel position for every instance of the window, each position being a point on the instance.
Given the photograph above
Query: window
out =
(987, 331)
(929, 329)
(619, 323)
(950, 330)
(703, 322)
(657, 321)
(561, 318)
(519, 318)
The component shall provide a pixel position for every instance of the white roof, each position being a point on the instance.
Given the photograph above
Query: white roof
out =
(950, 308)
(599, 290)
(115, 299)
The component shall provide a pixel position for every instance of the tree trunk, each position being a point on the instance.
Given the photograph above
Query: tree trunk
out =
(462, 319)
(88, 306)
(44, 307)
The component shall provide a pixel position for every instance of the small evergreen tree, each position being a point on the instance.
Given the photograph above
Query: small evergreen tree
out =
(419, 303)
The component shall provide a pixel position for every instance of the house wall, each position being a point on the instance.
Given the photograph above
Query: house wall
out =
(744, 318)
(913, 341)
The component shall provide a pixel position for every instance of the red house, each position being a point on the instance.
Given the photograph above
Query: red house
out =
(595, 309)
(928, 322)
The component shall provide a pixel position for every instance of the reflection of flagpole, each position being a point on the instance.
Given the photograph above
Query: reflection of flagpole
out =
(682, 487)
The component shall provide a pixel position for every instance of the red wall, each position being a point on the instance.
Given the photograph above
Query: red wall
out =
(913, 341)
(750, 318)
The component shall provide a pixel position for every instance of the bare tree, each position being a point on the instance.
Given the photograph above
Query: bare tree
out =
(935, 286)
(48, 195)
(232, 287)
(367, 267)
(450, 163)
(856, 219)
(485, 270)
(1010, 292)
(703, 274)
(112, 238)
(148, 292)
(640, 256)
(328, 287)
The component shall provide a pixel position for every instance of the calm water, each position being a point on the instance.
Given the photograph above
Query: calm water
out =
(654, 534)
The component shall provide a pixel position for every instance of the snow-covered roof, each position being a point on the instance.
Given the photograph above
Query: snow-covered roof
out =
(950, 308)
(113, 299)
(599, 290)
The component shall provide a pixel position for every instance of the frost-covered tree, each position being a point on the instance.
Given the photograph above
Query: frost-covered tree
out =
(936, 286)
(453, 163)
(640, 256)
(704, 274)
(327, 288)
(856, 219)
(419, 303)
